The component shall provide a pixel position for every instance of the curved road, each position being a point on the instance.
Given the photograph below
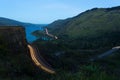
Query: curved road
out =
(37, 58)
(47, 33)
(39, 61)
(109, 52)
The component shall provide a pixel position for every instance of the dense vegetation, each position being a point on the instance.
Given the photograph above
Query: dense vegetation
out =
(80, 38)
(92, 21)
(95, 28)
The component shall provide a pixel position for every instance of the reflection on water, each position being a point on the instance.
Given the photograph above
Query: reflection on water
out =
(29, 30)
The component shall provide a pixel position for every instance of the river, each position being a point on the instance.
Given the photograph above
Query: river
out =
(29, 29)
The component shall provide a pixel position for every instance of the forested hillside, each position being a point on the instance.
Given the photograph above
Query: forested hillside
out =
(95, 28)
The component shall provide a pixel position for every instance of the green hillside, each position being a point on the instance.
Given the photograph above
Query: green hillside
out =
(80, 38)
(95, 28)
(88, 23)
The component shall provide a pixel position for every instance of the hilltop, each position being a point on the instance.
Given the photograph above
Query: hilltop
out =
(94, 28)
(80, 38)
(88, 23)
(11, 22)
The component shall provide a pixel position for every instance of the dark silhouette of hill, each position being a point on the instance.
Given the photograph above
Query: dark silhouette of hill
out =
(11, 22)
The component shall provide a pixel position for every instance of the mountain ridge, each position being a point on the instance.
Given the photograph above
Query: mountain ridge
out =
(29, 27)
(95, 17)
(94, 28)
(11, 22)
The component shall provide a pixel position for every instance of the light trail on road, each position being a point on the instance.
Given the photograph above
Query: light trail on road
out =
(37, 62)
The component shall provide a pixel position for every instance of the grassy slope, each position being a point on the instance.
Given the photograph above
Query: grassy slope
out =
(89, 33)
(89, 23)
(95, 28)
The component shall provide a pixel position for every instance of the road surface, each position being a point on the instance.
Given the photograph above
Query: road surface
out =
(46, 32)
(39, 61)
(109, 52)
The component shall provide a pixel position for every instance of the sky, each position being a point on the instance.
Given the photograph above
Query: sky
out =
(47, 11)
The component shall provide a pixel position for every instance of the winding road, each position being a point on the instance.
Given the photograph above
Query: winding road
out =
(37, 58)
(47, 33)
(39, 61)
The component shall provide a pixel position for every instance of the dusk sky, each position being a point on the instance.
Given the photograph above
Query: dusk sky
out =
(47, 11)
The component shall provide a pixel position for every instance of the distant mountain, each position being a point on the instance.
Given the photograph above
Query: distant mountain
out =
(6, 21)
(11, 22)
(28, 26)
